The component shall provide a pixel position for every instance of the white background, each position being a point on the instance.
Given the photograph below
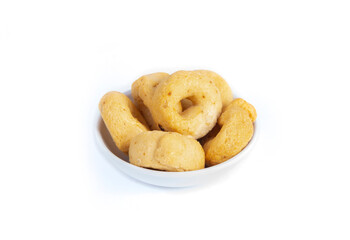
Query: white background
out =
(290, 59)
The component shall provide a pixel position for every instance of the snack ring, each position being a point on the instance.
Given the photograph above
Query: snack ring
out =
(142, 91)
(166, 151)
(122, 119)
(222, 85)
(236, 131)
(198, 119)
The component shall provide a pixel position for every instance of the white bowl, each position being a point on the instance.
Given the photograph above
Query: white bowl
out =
(161, 178)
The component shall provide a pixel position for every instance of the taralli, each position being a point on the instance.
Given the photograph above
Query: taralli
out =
(198, 119)
(237, 129)
(222, 85)
(179, 108)
(122, 119)
(166, 151)
(142, 91)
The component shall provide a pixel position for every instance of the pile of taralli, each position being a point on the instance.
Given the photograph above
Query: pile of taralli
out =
(180, 122)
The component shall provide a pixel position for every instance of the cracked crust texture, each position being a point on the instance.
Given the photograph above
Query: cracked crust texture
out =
(122, 119)
(237, 129)
(198, 119)
(221, 84)
(166, 151)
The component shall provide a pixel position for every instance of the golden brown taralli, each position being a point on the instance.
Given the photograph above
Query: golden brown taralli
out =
(166, 151)
(142, 91)
(186, 105)
(199, 118)
(237, 129)
(122, 119)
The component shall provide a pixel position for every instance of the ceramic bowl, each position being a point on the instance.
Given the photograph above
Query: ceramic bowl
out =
(162, 178)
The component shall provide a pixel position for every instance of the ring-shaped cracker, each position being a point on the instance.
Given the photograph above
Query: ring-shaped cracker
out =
(142, 91)
(167, 151)
(123, 120)
(198, 119)
(237, 129)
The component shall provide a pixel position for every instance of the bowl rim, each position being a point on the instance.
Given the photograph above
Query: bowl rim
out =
(231, 161)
